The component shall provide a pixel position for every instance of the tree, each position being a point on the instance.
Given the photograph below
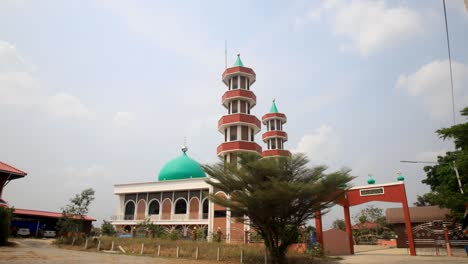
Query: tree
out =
(441, 177)
(371, 214)
(277, 195)
(339, 223)
(5, 219)
(424, 200)
(107, 229)
(73, 214)
(147, 227)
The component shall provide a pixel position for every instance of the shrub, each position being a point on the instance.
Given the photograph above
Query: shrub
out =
(107, 229)
(5, 219)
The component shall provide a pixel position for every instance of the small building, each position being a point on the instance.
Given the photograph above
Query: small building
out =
(8, 173)
(419, 216)
(39, 221)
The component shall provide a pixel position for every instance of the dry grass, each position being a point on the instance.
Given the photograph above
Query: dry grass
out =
(228, 253)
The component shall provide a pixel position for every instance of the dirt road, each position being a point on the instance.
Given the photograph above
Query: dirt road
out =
(32, 251)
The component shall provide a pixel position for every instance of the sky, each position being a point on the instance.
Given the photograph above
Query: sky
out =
(95, 93)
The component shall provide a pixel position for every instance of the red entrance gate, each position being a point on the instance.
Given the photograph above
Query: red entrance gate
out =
(390, 192)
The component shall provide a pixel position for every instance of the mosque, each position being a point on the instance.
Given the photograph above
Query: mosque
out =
(178, 200)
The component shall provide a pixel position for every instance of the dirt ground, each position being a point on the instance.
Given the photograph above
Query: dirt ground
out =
(32, 251)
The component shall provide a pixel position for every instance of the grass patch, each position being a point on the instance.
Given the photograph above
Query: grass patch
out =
(208, 251)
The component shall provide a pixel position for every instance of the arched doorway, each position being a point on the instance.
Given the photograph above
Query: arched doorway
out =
(153, 209)
(205, 209)
(166, 210)
(141, 208)
(180, 209)
(194, 208)
(129, 211)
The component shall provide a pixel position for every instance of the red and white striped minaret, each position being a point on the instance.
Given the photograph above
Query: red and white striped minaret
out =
(275, 137)
(239, 127)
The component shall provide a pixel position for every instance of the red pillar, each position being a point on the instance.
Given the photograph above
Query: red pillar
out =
(318, 227)
(349, 232)
(409, 230)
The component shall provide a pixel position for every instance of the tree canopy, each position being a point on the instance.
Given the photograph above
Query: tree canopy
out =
(441, 177)
(73, 214)
(339, 223)
(277, 195)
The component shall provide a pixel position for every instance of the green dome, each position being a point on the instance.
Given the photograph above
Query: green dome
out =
(370, 181)
(181, 168)
(400, 178)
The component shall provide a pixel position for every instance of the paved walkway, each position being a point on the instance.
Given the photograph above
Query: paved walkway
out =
(383, 255)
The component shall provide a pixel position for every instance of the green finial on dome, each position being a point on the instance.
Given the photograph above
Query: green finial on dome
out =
(400, 177)
(273, 108)
(239, 61)
(370, 180)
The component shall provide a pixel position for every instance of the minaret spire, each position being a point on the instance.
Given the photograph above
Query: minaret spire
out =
(274, 137)
(238, 126)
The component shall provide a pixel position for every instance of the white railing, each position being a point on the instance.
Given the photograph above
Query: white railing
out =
(155, 218)
(122, 217)
(180, 217)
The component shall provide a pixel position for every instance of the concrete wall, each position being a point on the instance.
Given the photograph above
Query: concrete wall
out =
(335, 242)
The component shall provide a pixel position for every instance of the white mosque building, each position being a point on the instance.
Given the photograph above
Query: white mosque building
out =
(179, 200)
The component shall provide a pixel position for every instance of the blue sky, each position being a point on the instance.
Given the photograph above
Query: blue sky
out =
(96, 93)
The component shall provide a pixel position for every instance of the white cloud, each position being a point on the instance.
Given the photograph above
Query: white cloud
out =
(371, 25)
(68, 106)
(430, 155)
(321, 146)
(431, 83)
(123, 119)
(20, 89)
(168, 27)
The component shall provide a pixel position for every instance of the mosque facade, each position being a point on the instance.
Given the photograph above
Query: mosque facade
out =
(178, 200)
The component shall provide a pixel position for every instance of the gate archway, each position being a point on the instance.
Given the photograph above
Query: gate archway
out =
(389, 192)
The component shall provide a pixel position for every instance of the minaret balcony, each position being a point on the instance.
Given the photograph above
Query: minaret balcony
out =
(274, 134)
(239, 119)
(279, 116)
(276, 153)
(246, 95)
(239, 70)
(235, 146)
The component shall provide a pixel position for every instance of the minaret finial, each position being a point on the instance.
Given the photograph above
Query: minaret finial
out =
(238, 61)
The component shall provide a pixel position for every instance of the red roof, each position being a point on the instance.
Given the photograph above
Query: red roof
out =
(45, 214)
(10, 169)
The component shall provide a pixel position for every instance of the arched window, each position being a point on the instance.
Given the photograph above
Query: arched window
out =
(205, 209)
(129, 211)
(180, 207)
(153, 208)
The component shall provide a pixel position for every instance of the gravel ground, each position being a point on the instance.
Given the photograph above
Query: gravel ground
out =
(32, 251)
